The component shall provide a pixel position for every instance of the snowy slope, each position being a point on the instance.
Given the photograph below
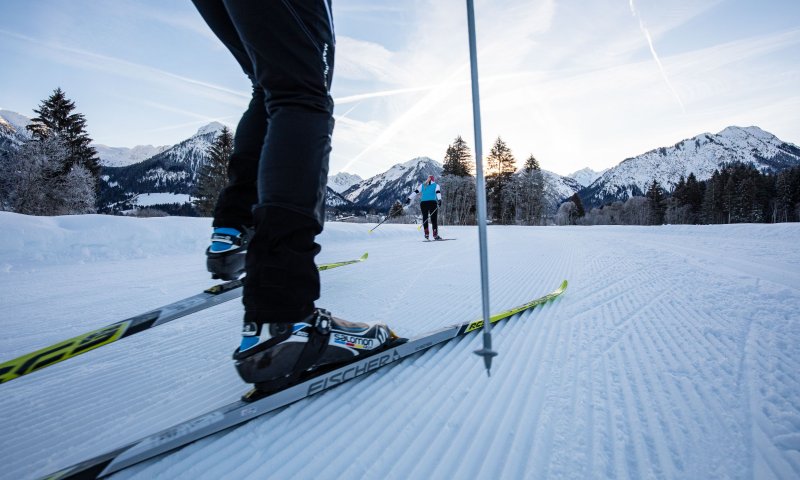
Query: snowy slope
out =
(342, 181)
(12, 130)
(557, 189)
(673, 354)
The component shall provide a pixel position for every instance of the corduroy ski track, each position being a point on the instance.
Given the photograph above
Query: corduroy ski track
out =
(240, 412)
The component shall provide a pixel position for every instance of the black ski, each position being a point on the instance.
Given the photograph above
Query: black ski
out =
(240, 412)
(125, 328)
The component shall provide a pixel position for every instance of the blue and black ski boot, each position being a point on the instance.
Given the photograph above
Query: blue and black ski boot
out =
(225, 256)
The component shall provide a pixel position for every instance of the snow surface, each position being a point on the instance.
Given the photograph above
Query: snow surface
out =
(149, 199)
(675, 353)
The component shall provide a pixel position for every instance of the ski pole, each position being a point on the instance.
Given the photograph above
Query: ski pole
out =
(486, 352)
(382, 222)
(388, 216)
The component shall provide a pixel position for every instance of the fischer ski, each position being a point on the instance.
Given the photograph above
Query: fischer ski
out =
(73, 347)
(239, 412)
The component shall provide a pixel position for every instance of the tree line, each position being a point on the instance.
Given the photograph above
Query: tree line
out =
(513, 198)
(736, 193)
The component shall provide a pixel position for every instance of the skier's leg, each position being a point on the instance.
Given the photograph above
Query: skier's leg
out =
(235, 203)
(423, 206)
(233, 219)
(291, 47)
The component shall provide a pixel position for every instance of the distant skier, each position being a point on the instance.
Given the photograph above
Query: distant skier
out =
(429, 202)
(268, 216)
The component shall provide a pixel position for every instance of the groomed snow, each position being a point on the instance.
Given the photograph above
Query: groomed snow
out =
(675, 353)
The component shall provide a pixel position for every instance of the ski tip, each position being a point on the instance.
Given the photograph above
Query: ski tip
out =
(364, 257)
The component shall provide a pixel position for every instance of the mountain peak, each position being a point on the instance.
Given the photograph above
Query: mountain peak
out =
(586, 176)
(342, 181)
(213, 127)
(735, 132)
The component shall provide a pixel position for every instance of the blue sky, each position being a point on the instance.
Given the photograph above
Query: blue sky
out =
(576, 83)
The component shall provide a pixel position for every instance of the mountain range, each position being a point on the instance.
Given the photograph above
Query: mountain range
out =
(700, 155)
(132, 173)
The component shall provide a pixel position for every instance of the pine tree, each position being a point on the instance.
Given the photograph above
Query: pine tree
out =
(532, 165)
(213, 175)
(396, 210)
(713, 210)
(657, 203)
(579, 211)
(55, 117)
(501, 166)
(457, 159)
(531, 208)
(500, 160)
(694, 197)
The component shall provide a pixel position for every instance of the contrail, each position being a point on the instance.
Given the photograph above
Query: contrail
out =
(118, 66)
(655, 55)
(385, 93)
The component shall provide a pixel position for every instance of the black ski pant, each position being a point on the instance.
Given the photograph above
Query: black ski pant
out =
(430, 209)
(279, 167)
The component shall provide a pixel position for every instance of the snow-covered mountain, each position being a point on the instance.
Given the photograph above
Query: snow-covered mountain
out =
(192, 152)
(336, 200)
(700, 155)
(173, 170)
(12, 131)
(122, 156)
(166, 180)
(558, 188)
(381, 191)
(342, 181)
(586, 176)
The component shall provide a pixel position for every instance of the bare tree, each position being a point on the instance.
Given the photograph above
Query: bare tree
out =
(38, 183)
(566, 213)
(458, 200)
(636, 211)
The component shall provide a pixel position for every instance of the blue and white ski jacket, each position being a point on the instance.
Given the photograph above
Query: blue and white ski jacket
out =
(427, 193)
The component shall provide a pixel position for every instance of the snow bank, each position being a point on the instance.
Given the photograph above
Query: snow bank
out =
(29, 241)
